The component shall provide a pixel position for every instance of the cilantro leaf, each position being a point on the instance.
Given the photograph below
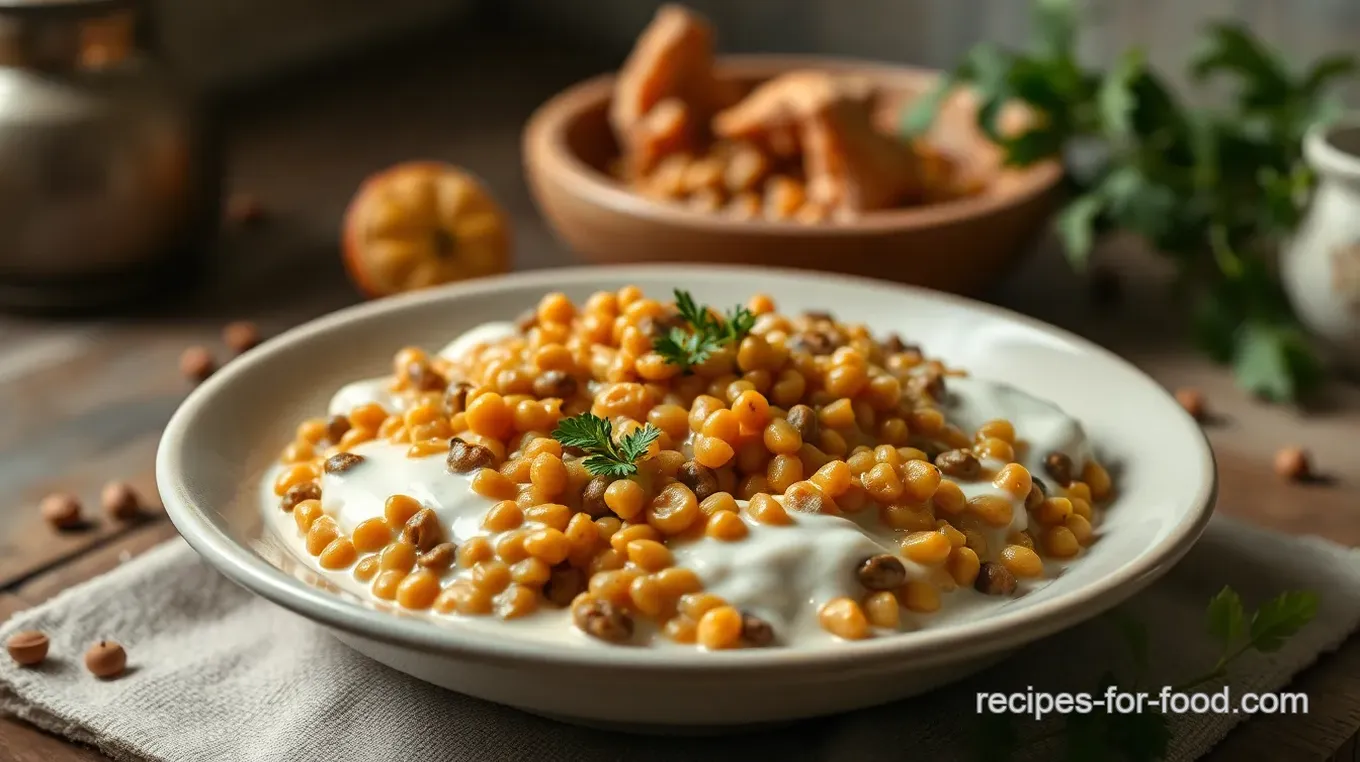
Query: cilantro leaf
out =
(1280, 618)
(707, 333)
(634, 444)
(595, 435)
(738, 322)
(585, 431)
(1227, 623)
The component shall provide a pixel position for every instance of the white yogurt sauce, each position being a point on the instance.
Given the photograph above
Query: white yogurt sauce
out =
(781, 573)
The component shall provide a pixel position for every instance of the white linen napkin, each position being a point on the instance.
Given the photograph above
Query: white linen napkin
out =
(216, 673)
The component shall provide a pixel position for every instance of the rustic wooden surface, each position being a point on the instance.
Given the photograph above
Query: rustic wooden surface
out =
(83, 402)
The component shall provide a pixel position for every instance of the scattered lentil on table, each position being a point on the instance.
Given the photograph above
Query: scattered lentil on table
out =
(61, 510)
(106, 660)
(28, 648)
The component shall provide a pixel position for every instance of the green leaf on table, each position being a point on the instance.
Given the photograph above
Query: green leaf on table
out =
(987, 69)
(1233, 49)
(1227, 622)
(1116, 96)
(1280, 618)
(1215, 327)
(1076, 226)
(1274, 361)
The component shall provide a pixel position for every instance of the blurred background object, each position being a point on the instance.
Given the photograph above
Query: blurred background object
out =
(108, 176)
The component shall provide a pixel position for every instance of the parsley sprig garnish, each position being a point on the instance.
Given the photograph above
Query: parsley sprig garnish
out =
(1214, 188)
(706, 332)
(604, 456)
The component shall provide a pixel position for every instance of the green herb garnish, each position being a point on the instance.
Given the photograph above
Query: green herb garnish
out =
(706, 333)
(1214, 189)
(604, 456)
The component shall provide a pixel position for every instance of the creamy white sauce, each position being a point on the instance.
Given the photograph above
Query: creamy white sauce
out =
(486, 333)
(781, 573)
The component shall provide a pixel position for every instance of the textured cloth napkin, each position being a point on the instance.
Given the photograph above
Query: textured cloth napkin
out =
(218, 674)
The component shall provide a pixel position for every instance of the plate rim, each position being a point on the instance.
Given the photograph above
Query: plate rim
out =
(925, 647)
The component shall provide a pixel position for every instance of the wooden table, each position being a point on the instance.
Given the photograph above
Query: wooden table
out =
(84, 402)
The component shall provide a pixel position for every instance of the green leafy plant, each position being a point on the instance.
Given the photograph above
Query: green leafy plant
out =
(604, 456)
(1214, 189)
(705, 333)
(1145, 736)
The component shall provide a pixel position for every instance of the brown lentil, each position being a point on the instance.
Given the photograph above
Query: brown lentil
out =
(994, 579)
(341, 462)
(881, 572)
(601, 619)
(1059, 466)
(960, 464)
(465, 458)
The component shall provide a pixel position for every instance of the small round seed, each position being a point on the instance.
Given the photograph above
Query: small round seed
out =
(994, 579)
(1291, 463)
(1059, 466)
(960, 464)
(438, 558)
(61, 510)
(465, 458)
(601, 619)
(106, 660)
(120, 501)
(1192, 400)
(299, 492)
(341, 462)
(592, 499)
(555, 383)
(196, 364)
(240, 336)
(422, 530)
(701, 479)
(28, 647)
(881, 572)
(756, 631)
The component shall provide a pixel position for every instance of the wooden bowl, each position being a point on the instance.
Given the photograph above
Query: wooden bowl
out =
(960, 246)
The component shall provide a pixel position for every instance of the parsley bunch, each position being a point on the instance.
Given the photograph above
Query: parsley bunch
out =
(1146, 736)
(1214, 189)
(706, 332)
(604, 456)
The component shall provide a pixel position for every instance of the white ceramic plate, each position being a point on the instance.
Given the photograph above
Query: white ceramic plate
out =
(226, 434)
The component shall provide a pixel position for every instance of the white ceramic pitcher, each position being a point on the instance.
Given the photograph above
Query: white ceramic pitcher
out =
(1320, 266)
